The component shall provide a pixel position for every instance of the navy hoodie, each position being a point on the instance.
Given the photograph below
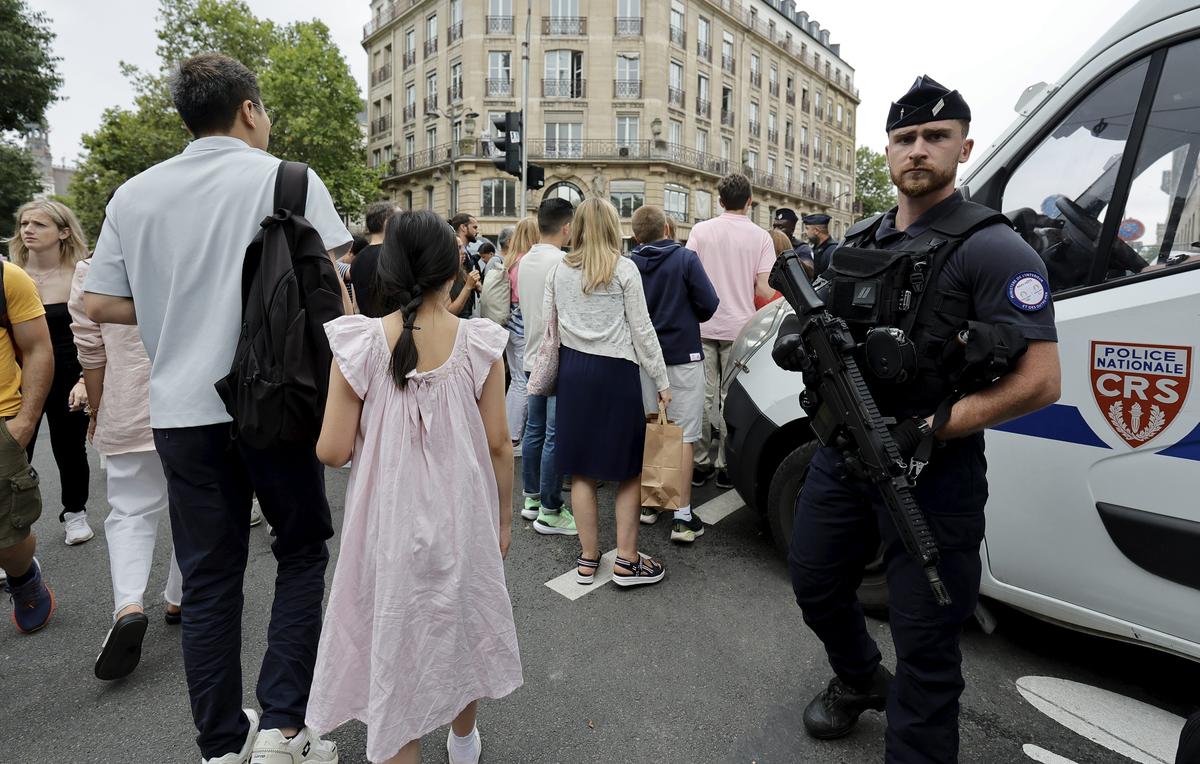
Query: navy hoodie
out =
(679, 295)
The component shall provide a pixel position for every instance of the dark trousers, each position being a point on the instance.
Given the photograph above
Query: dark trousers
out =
(68, 436)
(210, 482)
(839, 525)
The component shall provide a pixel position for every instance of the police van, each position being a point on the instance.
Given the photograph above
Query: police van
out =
(1093, 519)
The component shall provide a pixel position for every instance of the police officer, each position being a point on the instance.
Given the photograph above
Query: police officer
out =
(965, 265)
(816, 230)
(785, 221)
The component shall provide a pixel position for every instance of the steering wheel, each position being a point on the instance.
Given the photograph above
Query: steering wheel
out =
(1084, 231)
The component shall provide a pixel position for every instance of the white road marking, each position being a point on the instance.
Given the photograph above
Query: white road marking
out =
(711, 512)
(1136, 730)
(1038, 753)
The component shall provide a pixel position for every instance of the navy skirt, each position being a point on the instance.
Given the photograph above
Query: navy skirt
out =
(600, 429)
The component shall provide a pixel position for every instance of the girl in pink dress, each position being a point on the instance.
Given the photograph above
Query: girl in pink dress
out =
(419, 625)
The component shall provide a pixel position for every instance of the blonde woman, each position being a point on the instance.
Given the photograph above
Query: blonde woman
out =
(48, 244)
(605, 334)
(516, 399)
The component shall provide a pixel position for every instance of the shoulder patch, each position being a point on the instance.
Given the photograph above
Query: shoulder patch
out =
(1028, 291)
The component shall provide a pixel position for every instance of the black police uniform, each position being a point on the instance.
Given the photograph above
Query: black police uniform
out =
(992, 276)
(822, 254)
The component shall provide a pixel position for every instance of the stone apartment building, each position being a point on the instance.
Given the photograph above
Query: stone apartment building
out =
(641, 101)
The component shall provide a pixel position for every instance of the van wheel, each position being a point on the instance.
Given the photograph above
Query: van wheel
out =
(781, 515)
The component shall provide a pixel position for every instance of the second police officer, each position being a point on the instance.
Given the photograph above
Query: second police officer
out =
(816, 230)
(946, 273)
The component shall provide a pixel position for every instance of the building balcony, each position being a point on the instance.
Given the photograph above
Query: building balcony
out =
(789, 144)
(675, 97)
(381, 75)
(804, 104)
(410, 112)
(804, 150)
(409, 59)
(564, 88)
(501, 25)
(756, 79)
(381, 125)
(454, 93)
(819, 112)
(703, 108)
(791, 97)
(727, 117)
(430, 103)
(431, 47)
(755, 129)
(773, 89)
(454, 33)
(628, 26)
(499, 87)
(728, 64)
(678, 37)
(772, 137)
(817, 155)
(385, 16)
(569, 26)
(704, 51)
(627, 89)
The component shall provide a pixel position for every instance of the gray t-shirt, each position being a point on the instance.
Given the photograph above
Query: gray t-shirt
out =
(174, 238)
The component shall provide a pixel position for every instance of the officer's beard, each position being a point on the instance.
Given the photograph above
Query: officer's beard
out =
(916, 185)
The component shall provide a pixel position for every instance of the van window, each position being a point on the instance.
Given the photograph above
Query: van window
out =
(1162, 215)
(1058, 195)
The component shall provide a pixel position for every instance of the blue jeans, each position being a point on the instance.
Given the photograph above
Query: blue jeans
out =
(541, 476)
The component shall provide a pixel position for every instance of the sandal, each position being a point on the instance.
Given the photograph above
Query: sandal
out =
(646, 570)
(583, 562)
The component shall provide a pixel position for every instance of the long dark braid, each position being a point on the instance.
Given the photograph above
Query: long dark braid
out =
(420, 254)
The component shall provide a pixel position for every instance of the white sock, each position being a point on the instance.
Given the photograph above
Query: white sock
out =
(684, 513)
(463, 747)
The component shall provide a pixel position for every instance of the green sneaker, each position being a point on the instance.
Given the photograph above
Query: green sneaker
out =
(532, 508)
(561, 523)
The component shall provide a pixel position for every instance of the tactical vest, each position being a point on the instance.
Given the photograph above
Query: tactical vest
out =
(918, 345)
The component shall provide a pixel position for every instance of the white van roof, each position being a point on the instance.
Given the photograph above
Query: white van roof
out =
(1142, 15)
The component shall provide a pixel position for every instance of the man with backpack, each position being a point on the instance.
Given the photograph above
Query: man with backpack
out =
(175, 246)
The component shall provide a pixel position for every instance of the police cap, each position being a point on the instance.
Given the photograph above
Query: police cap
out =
(927, 101)
(817, 219)
(786, 215)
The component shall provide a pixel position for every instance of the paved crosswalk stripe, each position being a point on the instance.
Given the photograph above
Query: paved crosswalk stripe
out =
(1038, 753)
(711, 512)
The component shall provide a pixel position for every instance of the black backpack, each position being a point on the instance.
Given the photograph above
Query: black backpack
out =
(276, 390)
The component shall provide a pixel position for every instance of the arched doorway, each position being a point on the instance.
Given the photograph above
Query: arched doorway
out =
(564, 190)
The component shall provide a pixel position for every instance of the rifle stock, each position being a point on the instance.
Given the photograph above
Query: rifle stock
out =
(844, 415)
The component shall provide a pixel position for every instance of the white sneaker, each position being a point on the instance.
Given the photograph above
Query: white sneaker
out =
(3, 576)
(242, 756)
(77, 528)
(271, 747)
(256, 517)
(465, 757)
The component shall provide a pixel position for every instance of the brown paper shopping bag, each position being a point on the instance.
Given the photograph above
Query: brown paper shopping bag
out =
(662, 478)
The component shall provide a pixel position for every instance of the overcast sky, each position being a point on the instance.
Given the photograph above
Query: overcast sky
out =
(988, 54)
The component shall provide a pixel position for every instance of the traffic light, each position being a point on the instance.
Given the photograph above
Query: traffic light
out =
(508, 140)
(509, 131)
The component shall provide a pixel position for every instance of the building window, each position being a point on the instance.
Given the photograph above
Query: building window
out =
(456, 93)
(430, 137)
(563, 74)
(410, 102)
(410, 150)
(431, 91)
(499, 198)
(770, 165)
(499, 82)
(675, 132)
(678, 24)
(629, 76)
(787, 173)
(702, 141)
(431, 35)
(429, 197)
(726, 149)
(408, 199)
(627, 196)
(375, 158)
(564, 190)
(773, 80)
(751, 159)
(627, 130)
(564, 139)
(703, 205)
(675, 202)
(839, 114)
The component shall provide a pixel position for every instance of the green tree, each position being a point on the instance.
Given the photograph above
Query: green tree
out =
(314, 104)
(872, 182)
(29, 79)
(18, 182)
(189, 27)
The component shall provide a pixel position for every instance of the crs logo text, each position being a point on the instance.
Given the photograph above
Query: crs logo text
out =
(1140, 389)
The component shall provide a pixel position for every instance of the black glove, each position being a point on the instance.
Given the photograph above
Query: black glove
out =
(908, 434)
(789, 353)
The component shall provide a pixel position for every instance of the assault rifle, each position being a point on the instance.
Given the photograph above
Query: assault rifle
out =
(843, 415)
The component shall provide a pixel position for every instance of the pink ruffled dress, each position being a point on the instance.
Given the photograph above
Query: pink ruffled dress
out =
(419, 621)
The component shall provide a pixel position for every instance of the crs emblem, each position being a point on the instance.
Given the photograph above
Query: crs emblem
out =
(1140, 388)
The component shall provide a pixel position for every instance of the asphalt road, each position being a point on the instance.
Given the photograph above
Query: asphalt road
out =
(712, 665)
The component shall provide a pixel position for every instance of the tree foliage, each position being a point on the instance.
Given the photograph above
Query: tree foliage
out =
(305, 82)
(29, 79)
(19, 181)
(872, 181)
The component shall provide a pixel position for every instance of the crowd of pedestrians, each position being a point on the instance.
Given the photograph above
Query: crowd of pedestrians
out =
(452, 355)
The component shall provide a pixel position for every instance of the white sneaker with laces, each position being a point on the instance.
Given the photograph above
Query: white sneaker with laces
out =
(242, 756)
(460, 754)
(256, 516)
(271, 747)
(77, 528)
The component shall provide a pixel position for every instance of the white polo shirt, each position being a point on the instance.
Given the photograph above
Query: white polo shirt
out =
(174, 238)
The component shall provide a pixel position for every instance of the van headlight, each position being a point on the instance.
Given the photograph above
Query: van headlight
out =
(761, 328)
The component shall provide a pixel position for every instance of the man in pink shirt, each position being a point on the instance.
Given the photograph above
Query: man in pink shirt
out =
(737, 256)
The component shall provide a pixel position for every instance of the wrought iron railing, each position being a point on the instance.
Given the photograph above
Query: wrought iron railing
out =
(727, 117)
(564, 88)
(628, 26)
(773, 89)
(575, 26)
(454, 93)
(756, 79)
(499, 87)
(678, 36)
(754, 129)
(772, 136)
(410, 58)
(382, 74)
(381, 125)
(704, 51)
(728, 63)
(431, 47)
(791, 97)
(430, 103)
(500, 25)
(703, 108)
(410, 112)
(675, 97)
(454, 33)
(627, 89)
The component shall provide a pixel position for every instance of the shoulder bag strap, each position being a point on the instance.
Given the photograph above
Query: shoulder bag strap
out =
(291, 187)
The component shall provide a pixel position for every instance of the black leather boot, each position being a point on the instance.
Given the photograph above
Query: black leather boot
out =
(835, 711)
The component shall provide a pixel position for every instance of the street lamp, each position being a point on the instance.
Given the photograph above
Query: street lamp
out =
(452, 113)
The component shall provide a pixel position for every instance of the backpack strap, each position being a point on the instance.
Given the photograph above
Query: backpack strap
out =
(864, 226)
(291, 187)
